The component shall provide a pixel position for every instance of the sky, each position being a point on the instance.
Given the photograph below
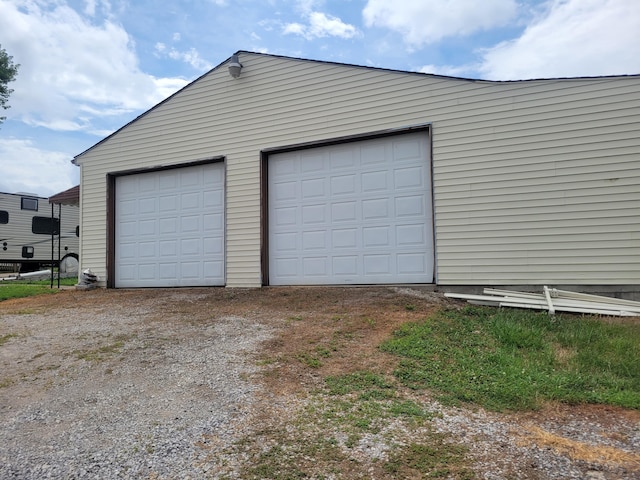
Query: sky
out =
(88, 67)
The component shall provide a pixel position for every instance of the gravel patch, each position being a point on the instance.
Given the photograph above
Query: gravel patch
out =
(110, 392)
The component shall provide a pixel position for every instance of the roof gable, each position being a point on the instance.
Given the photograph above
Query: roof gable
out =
(247, 56)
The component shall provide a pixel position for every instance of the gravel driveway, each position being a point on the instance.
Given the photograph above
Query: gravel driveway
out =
(120, 385)
(198, 383)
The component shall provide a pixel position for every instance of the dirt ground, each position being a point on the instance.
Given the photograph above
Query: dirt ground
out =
(349, 323)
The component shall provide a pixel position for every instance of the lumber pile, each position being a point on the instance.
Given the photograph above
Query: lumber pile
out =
(554, 300)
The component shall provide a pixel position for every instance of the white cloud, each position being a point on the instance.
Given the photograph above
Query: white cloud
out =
(46, 173)
(191, 56)
(307, 6)
(294, 28)
(420, 22)
(70, 66)
(571, 38)
(321, 25)
(90, 7)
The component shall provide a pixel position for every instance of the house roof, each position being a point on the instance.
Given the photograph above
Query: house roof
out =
(68, 197)
(406, 72)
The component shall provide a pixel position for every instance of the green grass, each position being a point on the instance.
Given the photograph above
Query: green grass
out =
(24, 288)
(507, 359)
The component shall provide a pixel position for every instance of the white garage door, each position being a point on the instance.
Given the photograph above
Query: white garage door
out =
(354, 213)
(169, 228)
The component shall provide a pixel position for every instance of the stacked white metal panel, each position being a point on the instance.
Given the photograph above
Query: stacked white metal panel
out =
(554, 300)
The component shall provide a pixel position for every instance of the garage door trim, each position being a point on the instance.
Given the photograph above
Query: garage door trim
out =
(111, 206)
(264, 180)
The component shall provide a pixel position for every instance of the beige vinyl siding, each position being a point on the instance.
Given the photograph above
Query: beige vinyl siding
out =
(533, 180)
(545, 193)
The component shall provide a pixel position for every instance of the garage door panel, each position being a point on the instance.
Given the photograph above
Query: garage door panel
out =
(406, 149)
(375, 181)
(312, 188)
(342, 157)
(214, 198)
(410, 206)
(352, 213)
(346, 265)
(168, 204)
(411, 234)
(411, 263)
(312, 214)
(168, 248)
(313, 162)
(344, 238)
(170, 228)
(343, 185)
(376, 209)
(168, 271)
(213, 270)
(343, 212)
(374, 153)
(376, 236)
(147, 271)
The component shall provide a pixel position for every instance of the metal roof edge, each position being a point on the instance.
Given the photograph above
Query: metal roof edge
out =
(331, 62)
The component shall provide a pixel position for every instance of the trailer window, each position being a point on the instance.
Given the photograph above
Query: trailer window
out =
(29, 204)
(4, 217)
(45, 225)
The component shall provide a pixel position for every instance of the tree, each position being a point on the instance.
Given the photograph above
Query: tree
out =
(8, 72)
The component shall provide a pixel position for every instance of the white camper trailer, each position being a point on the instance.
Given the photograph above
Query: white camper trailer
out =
(36, 233)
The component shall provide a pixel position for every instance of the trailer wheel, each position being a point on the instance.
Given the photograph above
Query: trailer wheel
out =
(69, 264)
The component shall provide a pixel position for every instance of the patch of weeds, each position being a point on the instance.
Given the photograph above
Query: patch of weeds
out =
(293, 458)
(323, 352)
(295, 318)
(25, 311)
(5, 382)
(436, 458)
(319, 441)
(43, 368)
(369, 321)
(410, 307)
(5, 338)
(343, 334)
(310, 360)
(408, 409)
(362, 382)
(313, 359)
(274, 464)
(102, 352)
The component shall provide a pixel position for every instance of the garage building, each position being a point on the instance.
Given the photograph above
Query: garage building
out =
(301, 172)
